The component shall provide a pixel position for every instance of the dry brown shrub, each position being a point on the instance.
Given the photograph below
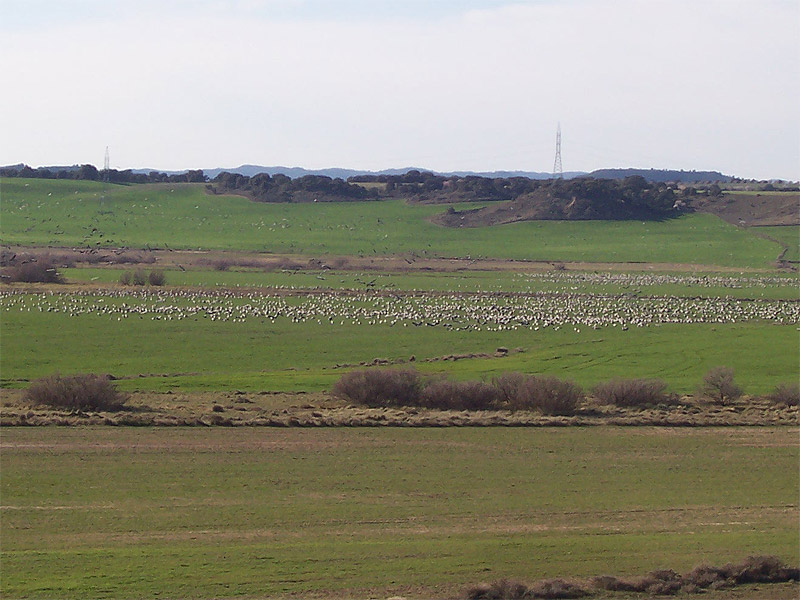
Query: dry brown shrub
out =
(380, 388)
(705, 576)
(156, 278)
(549, 395)
(41, 270)
(76, 392)
(222, 264)
(459, 395)
(718, 386)
(754, 569)
(503, 589)
(664, 582)
(761, 569)
(556, 589)
(785, 394)
(508, 386)
(633, 392)
(612, 584)
(139, 277)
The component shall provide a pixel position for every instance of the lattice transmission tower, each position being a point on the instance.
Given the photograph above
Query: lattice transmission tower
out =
(558, 173)
(106, 175)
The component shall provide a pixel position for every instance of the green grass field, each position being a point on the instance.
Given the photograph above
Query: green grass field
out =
(705, 284)
(349, 513)
(80, 213)
(140, 512)
(789, 235)
(199, 353)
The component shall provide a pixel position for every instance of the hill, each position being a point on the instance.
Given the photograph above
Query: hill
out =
(87, 214)
(663, 175)
(580, 199)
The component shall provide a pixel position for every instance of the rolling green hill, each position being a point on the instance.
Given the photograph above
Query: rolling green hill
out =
(81, 213)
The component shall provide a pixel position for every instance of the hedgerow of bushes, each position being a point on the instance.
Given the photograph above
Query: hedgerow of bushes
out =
(754, 569)
(140, 277)
(548, 395)
(406, 387)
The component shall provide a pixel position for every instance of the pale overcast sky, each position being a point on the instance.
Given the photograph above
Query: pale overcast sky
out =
(371, 84)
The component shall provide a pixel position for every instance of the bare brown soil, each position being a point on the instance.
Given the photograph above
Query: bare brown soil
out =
(239, 409)
(210, 259)
(754, 208)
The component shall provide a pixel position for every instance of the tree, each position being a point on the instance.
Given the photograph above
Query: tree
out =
(718, 385)
(88, 172)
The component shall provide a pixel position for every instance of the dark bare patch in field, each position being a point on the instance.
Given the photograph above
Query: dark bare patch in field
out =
(232, 260)
(753, 208)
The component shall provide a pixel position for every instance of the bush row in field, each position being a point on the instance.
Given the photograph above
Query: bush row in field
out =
(754, 569)
(406, 387)
(516, 391)
(139, 277)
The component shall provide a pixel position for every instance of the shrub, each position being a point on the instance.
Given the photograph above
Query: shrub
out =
(549, 395)
(498, 590)
(660, 583)
(514, 590)
(459, 395)
(139, 277)
(125, 278)
(718, 386)
(76, 392)
(633, 392)
(156, 277)
(705, 576)
(377, 388)
(36, 271)
(761, 569)
(508, 386)
(612, 584)
(786, 394)
(555, 589)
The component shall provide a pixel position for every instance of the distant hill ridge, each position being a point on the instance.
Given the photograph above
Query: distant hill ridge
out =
(651, 175)
(664, 175)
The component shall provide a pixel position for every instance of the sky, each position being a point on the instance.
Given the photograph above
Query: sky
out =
(445, 85)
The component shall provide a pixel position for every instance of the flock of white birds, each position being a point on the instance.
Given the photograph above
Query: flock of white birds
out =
(457, 311)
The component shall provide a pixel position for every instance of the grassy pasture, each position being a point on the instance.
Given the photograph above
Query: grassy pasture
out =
(79, 213)
(201, 513)
(704, 284)
(213, 348)
(789, 235)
